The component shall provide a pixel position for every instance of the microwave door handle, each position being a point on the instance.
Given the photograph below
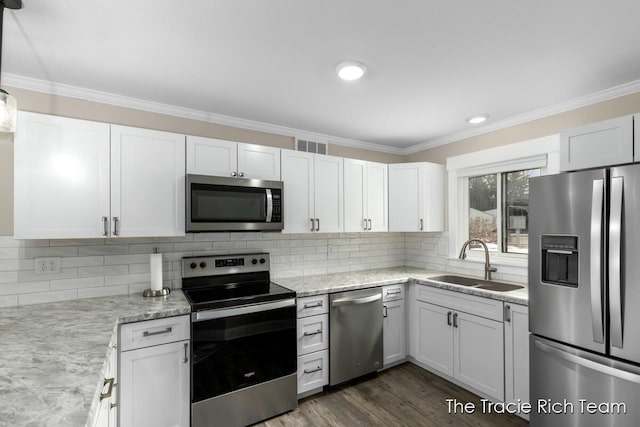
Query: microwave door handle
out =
(615, 270)
(269, 205)
(596, 260)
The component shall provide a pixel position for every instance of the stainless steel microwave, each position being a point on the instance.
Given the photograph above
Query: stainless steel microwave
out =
(216, 203)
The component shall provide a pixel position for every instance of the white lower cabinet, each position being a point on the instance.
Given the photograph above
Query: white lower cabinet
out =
(313, 344)
(393, 325)
(459, 344)
(516, 353)
(154, 386)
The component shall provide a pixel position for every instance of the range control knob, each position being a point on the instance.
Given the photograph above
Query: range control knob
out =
(203, 264)
(193, 265)
(254, 261)
(262, 261)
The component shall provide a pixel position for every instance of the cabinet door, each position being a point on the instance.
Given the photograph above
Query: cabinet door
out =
(328, 204)
(376, 196)
(406, 196)
(435, 337)
(479, 354)
(297, 175)
(258, 162)
(605, 143)
(516, 353)
(432, 212)
(394, 347)
(208, 156)
(154, 386)
(61, 177)
(354, 195)
(147, 182)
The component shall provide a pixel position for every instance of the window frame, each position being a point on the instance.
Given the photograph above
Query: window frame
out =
(543, 153)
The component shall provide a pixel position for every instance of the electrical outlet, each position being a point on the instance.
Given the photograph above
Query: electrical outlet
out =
(47, 265)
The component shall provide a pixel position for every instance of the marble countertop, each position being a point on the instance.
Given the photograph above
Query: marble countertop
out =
(340, 282)
(53, 354)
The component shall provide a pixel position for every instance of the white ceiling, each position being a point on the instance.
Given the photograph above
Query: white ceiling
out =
(431, 63)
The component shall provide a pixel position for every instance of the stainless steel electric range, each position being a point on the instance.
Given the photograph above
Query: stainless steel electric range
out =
(243, 332)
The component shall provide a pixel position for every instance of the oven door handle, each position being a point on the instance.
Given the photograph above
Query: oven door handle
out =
(238, 311)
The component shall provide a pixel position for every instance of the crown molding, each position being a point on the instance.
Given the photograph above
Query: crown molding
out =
(60, 89)
(583, 101)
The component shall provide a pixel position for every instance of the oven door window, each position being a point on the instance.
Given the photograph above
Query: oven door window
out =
(240, 351)
(218, 203)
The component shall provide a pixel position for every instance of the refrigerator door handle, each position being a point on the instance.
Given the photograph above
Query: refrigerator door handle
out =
(615, 252)
(596, 261)
(587, 363)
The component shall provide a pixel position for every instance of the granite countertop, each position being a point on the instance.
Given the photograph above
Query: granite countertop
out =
(53, 354)
(340, 282)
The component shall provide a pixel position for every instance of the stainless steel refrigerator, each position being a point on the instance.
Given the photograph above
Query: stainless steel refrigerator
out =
(584, 298)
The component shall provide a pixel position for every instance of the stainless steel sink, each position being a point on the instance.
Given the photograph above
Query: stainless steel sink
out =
(488, 285)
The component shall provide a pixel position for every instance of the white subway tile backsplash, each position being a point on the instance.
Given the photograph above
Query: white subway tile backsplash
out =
(103, 270)
(107, 249)
(103, 291)
(87, 282)
(8, 301)
(42, 297)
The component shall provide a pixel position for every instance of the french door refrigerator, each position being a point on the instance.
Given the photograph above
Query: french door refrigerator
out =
(584, 298)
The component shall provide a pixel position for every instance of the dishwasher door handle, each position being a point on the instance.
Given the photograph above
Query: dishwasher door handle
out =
(352, 301)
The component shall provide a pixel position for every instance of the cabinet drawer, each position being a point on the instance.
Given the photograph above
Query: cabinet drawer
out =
(479, 306)
(392, 292)
(313, 371)
(313, 334)
(310, 306)
(154, 332)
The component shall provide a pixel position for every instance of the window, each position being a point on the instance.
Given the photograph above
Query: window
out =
(498, 210)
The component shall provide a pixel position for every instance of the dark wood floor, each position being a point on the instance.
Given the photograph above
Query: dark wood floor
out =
(405, 395)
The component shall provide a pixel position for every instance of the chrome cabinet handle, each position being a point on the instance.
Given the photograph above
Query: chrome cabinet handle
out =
(364, 224)
(394, 292)
(311, 371)
(318, 224)
(596, 259)
(369, 224)
(421, 224)
(234, 174)
(384, 311)
(164, 331)
(314, 305)
(308, 334)
(313, 224)
(105, 226)
(186, 357)
(241, 174)
(507, 313)
(615, 252)
(107, 395)
(455, 320)
(116, 220)
(449, 318)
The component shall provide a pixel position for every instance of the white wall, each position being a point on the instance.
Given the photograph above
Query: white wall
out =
(100, 267)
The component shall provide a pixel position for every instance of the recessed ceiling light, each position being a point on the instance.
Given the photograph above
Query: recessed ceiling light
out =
(477, 119)
(350, 70)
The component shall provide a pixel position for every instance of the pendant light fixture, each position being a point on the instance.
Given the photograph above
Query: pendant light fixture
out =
(8, 105)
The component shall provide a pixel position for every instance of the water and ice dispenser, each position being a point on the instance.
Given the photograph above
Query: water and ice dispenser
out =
(560, 260)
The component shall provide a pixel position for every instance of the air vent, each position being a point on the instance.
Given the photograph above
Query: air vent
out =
(311, 146)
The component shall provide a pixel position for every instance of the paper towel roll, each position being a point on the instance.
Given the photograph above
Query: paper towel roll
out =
(155, 262)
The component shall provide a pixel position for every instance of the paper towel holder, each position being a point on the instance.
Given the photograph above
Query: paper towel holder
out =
(150, 293)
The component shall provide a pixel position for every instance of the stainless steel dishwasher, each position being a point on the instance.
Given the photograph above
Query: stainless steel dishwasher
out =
(355, 334)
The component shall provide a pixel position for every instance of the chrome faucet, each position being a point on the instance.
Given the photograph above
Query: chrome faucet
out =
(487, 267)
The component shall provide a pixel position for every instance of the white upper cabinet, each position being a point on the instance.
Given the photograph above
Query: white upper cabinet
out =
(605, 143)
(61, 177)
(81, 179)
(147, 183)
(365, 196)
(313, 192)
(416, 197)
(218, 157)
